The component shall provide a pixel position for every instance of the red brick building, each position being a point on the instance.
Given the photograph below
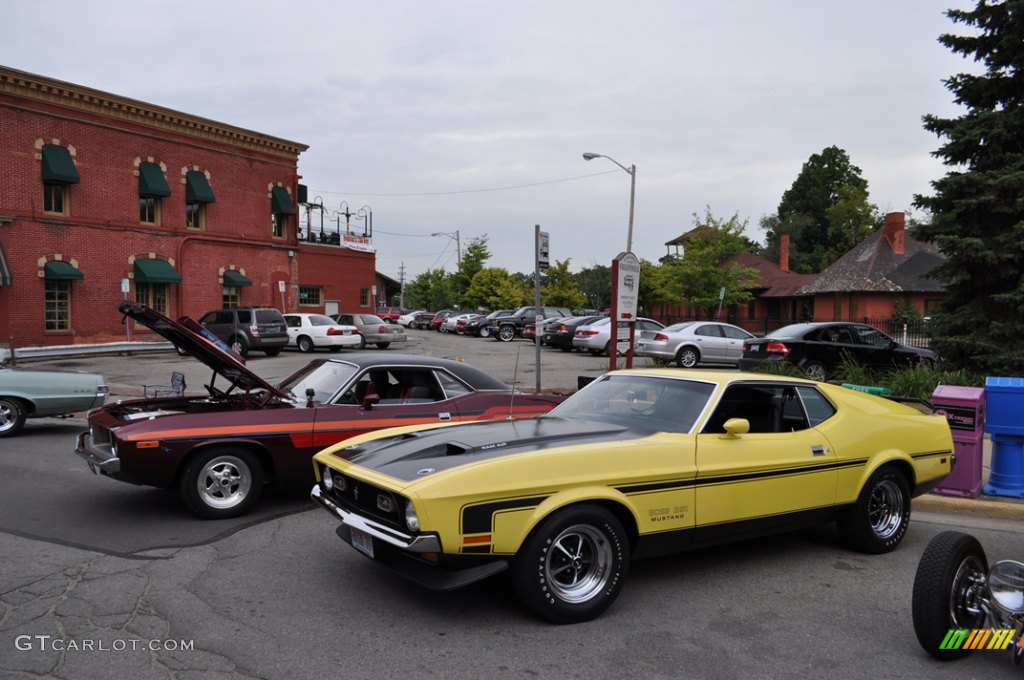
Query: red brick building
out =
(104, 198)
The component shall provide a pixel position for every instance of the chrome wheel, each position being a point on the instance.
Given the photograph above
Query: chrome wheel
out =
(238, 346)
(885, 509)
(815, 371)
(578, 563)
(12, 416)
(485, 332)
(506, 333)
(687, 357)
(967, 592)
(224, 482)
(305, 344)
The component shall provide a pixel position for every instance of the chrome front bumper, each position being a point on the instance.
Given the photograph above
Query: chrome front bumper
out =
(100, 459)
(427, 543)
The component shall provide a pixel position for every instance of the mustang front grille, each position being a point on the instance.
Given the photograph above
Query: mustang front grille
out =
(368, 500)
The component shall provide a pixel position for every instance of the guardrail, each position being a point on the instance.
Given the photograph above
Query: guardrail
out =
(107, 348)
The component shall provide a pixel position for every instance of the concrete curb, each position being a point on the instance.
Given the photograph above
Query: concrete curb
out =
(982, 506)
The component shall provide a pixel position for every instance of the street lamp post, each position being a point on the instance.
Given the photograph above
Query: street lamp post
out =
(631, 171)
(458, 245)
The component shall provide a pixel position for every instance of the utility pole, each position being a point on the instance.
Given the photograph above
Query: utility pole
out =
(401, 281)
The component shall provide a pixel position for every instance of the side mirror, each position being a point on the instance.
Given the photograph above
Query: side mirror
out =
(369, 401)
(734, 427)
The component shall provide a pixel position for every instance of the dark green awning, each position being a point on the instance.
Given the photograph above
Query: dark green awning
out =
(233, 278)
(152, 181)
(5, 268)
(155, 271)
(63, 271)
(197, 189)
(281, 202)
(58, 166)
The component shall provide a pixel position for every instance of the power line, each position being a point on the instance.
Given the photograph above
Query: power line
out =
(466, 191)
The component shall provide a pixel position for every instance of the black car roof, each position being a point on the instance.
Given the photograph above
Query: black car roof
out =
(471, 375)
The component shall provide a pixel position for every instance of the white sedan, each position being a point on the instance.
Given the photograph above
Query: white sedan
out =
(407, 318)
(309, 331)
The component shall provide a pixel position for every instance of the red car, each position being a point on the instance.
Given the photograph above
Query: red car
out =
(220, 450)
(390, 314)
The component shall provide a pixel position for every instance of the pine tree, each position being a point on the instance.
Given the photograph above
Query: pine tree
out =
(978, 207)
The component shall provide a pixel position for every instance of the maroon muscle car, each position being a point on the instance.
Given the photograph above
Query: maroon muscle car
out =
(220, 449)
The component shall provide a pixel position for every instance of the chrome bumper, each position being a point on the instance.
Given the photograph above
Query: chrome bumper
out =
(428, 543)
(100, 460)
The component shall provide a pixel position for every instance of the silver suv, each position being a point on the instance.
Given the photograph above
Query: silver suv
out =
(246, 328)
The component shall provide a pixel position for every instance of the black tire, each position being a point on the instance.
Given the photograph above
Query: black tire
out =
(607, 351)
(362, 342)
(595, 352)
(564, 348)
(334, 348)
(12, 416)
(239, 346)
(305, 344)
(878, 521)
(222, 482)
(687, 357)
(383, 345)
(506, 333)
(273, 351)
(815, 370)
(485, 332)
(564, 590)
(950, 579)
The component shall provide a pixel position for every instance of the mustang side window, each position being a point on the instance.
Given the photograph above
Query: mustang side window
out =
(768, 408)
(818, 408)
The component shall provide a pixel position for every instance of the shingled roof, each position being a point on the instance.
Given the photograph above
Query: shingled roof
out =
(887, 261)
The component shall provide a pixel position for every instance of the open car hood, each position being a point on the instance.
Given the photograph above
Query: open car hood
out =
(188, 335)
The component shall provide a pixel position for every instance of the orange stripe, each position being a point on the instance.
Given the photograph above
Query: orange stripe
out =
(473, 540)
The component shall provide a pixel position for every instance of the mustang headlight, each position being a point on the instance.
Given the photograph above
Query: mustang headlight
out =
(325, 475)
(411, 520)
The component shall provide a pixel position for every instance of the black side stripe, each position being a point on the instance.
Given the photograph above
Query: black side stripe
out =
(476, 519)
(931, 454)
(724, 479)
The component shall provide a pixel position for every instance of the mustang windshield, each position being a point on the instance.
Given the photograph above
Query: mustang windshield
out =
(647, 403)
(325, 377)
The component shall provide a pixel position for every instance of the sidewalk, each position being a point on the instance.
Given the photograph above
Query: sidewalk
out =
(997, 507)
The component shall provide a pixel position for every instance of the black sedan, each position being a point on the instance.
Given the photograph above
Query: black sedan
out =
(559, 332)
(818, 349)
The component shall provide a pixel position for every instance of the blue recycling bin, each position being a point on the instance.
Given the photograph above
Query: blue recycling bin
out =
(964, 408)
(1005, 425)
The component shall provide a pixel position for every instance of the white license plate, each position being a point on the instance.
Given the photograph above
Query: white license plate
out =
(362, 542)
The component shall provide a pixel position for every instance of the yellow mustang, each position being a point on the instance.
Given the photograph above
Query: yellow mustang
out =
(636, 464)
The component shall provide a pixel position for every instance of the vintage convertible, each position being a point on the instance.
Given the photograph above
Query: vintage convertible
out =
(960, 604)
(219, 449)
(638, 463)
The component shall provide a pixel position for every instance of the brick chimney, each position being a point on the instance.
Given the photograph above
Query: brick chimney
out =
(784, 252)
(893, 232)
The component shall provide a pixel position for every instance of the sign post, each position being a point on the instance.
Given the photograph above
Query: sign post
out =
(625, 294)
(127, 324)
(540, 263)
(280, 288)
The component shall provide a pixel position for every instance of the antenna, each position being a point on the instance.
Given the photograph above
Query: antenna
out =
(515, 379)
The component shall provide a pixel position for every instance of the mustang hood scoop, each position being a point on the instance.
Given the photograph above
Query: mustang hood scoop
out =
(414, 455)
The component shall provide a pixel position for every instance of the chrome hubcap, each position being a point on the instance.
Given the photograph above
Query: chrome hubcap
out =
(7, 416)
(968, 588)
(224, 482)
(885, 509)
(578, 564)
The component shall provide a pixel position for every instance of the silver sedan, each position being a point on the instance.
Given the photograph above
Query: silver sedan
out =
(694, 342)
(596, 337)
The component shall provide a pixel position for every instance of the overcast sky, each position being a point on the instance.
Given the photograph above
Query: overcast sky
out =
(472, 116)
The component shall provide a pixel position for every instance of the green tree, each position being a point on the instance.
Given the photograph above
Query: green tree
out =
(977, 210)
(430, 290)
(474, 259)
(803, 210)
(708, 264)
(851, 220)
(560, 289)
(494, 288)
(596, 285)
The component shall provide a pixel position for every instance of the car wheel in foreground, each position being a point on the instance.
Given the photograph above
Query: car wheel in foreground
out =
(878, 521)
(948, 590)
(815, 371)
(272, 352)
(383, 345)
(305, 344)
(221, 483)
(688, 357)
(506, 333)
(485, 332)
(239, 347)
(12, 416)
(573, 565)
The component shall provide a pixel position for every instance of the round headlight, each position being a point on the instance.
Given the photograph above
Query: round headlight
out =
(325, 475)
(1006, 583)
(411, 520)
